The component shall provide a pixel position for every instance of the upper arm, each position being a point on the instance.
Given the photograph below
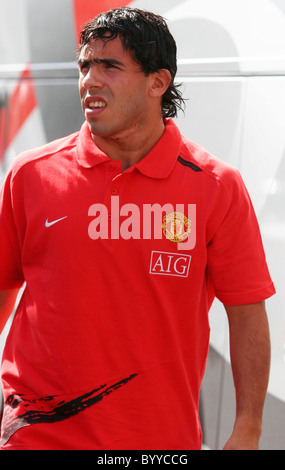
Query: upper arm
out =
(249, 330)
(237, 310)
(7, 301)
(11, 273)
(237, 264)
(252, 313)
(248, 318)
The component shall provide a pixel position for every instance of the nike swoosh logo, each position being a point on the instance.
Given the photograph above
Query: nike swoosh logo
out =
(49, 224)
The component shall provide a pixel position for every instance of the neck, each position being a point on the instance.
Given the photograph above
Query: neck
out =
(131, 146)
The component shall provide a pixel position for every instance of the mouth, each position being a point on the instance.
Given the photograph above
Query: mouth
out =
(94, 105)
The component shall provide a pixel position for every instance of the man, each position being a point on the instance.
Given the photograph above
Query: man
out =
(123, 233)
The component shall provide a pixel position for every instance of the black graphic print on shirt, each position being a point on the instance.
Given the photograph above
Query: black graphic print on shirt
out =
(19, 411)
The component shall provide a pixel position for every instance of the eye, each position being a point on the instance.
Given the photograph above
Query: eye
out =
(110, 66)
(83, 66)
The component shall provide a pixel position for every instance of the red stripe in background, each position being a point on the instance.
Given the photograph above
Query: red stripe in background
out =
(85, 10)
(2, 132)
(21, 103)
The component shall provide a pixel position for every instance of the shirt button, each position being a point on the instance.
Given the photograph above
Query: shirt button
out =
(114, 191)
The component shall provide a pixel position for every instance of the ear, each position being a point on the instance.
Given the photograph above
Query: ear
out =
(160, 82)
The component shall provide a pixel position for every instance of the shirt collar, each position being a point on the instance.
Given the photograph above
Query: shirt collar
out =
(158, 163)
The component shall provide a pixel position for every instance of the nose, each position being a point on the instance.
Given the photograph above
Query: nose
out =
(93, 78)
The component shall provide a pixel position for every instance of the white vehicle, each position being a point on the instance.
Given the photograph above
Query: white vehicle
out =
(232, 69)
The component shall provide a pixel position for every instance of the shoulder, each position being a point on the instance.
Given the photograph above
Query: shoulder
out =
(207, 162)
(212, 167)
(56, 147)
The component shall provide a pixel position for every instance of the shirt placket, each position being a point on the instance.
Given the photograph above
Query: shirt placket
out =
(112, 199)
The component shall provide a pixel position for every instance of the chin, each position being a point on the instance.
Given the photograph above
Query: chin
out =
(97, 129)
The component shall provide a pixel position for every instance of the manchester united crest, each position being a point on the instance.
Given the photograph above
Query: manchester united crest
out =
(176, 227)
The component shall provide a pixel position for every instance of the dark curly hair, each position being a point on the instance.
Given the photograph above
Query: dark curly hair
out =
(148, 39)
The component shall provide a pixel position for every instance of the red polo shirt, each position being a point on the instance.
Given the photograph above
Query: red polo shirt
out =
(108, 346)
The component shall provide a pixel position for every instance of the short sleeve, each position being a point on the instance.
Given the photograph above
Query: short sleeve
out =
(236, 259)
(11, 275)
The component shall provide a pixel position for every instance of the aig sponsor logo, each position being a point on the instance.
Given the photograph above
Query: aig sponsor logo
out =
(169, 264)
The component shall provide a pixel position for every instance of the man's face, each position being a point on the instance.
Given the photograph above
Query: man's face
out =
(113, 89)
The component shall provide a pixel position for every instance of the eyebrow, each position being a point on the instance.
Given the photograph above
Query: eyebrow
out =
(101, 61)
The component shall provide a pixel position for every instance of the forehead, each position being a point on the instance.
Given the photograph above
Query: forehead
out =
(102, 48)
